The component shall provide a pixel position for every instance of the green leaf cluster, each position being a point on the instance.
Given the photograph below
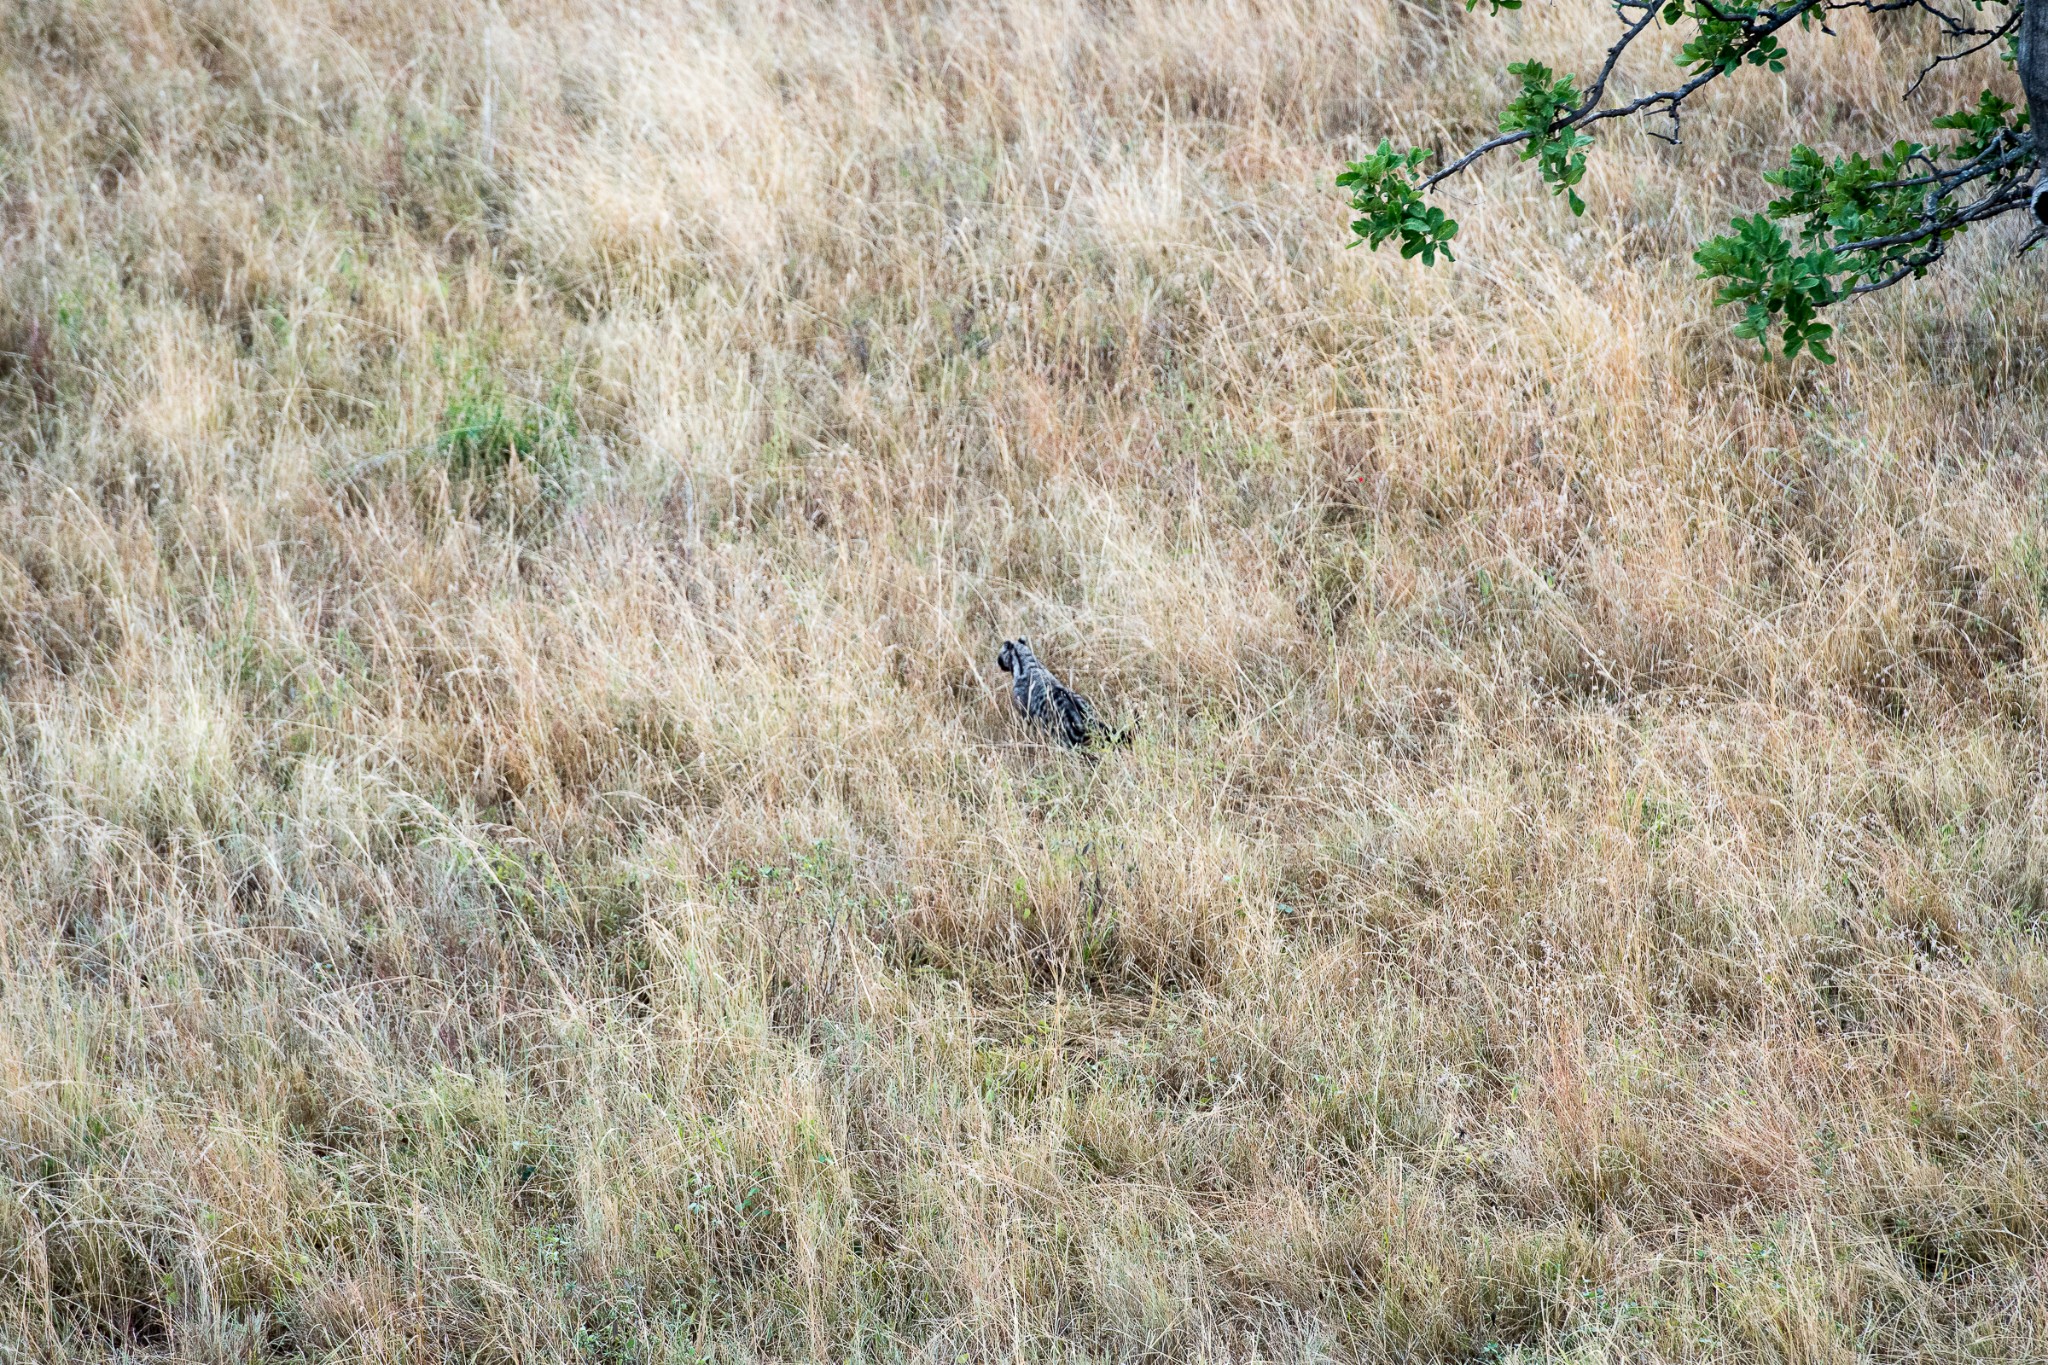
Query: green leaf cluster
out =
(1778, 287)
(1560, 153)
(1853, 199)
(1723, 37)
(1982, 125)
(1839, 205)
(1863, 222)
(1384, 196)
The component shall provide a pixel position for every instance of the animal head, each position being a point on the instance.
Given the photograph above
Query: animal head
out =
(1011, 653)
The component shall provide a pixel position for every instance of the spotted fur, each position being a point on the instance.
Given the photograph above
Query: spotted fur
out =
(1044, 700)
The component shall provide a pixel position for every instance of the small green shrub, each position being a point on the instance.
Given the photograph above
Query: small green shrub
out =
(513, 456)
(486, 431)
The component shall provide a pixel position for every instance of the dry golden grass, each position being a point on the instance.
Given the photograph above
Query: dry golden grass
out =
(1577, 891)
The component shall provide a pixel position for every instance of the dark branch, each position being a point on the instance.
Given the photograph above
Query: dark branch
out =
(1756, 28)
(1990, 36)
(1781, 282)
(1594, 94)
(2001, 200)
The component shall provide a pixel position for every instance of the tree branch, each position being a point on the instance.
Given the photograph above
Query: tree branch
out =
(1588, 110)
(1900, 205)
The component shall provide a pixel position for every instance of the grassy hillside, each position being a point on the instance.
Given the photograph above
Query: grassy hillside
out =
(511, 847)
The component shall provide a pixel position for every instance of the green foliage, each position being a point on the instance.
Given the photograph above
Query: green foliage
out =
(511, 460)
(484, 431)
(1842, 206)
(1864, 222)
(1558, 152)
(1853, 199)
(1387, 203)
(1777, 286)
(1983, 124)
(1723, 39)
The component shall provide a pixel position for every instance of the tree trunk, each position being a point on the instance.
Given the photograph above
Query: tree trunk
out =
(2033, 69)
